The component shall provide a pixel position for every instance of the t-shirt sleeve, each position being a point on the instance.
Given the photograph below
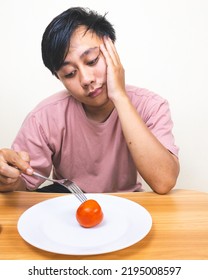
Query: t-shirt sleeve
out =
(159, 121)
(31, 138)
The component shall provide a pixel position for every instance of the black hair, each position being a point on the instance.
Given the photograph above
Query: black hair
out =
(56, 38)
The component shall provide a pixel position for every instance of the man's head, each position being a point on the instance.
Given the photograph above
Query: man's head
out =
(56, 38)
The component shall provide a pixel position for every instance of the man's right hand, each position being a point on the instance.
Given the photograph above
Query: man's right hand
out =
(12, 164)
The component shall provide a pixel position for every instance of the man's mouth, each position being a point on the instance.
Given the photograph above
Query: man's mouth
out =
(95, 92)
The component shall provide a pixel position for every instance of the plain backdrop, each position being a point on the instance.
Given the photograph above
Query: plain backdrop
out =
(163, 46)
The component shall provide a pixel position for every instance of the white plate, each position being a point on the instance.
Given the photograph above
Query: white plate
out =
(51, 225)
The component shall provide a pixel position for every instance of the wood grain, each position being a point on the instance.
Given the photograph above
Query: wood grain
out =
(179, 230)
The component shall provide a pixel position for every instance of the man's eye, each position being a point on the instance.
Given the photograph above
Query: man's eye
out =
(93, 62)
(70, 75)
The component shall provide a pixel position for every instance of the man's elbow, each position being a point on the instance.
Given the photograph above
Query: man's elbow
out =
(165, 185)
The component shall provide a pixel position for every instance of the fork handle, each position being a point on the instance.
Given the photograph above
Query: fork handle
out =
(43, 177)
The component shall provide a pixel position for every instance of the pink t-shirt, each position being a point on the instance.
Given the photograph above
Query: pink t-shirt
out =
(57, 134)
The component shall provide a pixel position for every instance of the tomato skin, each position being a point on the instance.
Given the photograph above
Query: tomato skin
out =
(89, 213)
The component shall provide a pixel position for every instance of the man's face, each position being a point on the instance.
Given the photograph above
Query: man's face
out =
(84, 70)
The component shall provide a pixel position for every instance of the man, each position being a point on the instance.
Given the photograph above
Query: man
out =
(99, 132)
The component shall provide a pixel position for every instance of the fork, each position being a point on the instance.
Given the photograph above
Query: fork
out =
(71, 186)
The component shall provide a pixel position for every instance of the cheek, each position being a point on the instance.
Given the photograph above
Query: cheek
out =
(72, 86)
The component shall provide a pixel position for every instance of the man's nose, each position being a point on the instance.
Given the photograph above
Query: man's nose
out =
(86, 77)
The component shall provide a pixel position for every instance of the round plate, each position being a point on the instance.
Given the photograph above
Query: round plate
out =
(51, 225)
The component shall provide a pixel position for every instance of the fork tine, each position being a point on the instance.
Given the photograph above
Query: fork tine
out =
(75, 190)
(72, 190)
(78, 191)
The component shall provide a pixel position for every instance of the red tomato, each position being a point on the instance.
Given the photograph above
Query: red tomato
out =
(89, 213)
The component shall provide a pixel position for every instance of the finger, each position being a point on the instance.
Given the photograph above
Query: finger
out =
(112, 50)
(24, 156)
(8, 185)
(106, 54)
(10, 160)
(7, 171)
(7, 181)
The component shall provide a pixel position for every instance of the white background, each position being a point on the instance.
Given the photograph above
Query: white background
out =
(163, 46)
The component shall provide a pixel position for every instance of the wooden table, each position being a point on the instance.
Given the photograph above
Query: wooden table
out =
(179, 230)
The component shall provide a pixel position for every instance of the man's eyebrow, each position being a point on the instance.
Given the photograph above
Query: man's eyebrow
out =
(67, 62)
(88, 51)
